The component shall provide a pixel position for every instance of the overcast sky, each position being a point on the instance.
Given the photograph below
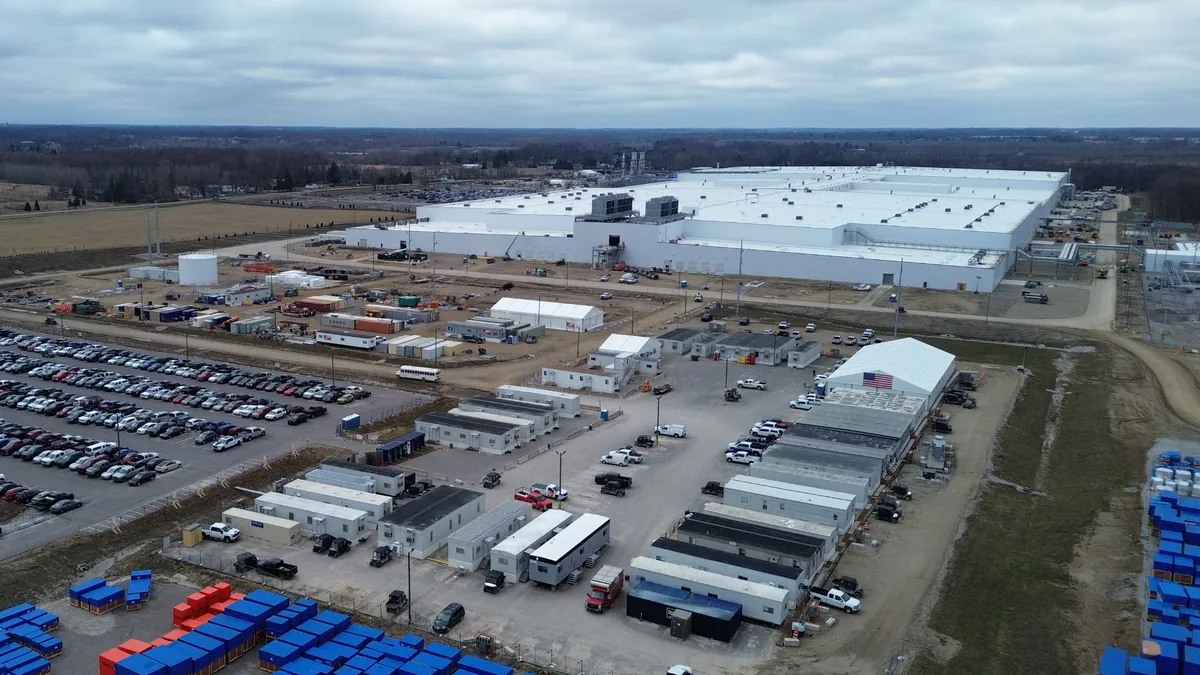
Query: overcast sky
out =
(612, 63)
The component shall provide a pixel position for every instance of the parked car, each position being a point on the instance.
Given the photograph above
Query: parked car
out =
(740, 457)
(65, 505)
(226, 443)
(168, 466)
(448, 618)
(752, 384)
(862, 287)
(674, 430)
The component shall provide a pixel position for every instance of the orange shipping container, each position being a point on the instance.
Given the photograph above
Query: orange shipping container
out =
(160, 642)
(174, 635)
(212, 595)
(193, 624)
(236, 596)
(223, 590)
(220, 607)
(110, 659)
(135, 646)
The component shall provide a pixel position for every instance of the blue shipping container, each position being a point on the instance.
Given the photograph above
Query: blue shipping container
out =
(474, 664)
(410, 640)
(275, 601)
(279, 653)
(339, 621)
(1113, 661)
(440, 665)
(367, 631)
(444, 651)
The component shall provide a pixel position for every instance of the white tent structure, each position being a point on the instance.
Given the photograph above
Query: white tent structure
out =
(905, 366)
(552, 315)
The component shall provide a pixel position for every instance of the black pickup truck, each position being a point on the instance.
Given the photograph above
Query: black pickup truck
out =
(613, 477)
(272, 567)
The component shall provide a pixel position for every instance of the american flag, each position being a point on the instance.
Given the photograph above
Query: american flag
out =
(877, 380)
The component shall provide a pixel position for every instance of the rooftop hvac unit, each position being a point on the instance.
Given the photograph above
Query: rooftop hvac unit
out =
(466, 205)
(799, 217)
(947, 210)
(497, 201)
(763, 216)
(969, 226)
(568, 208)
(839, 206)
(934, 199)
(883, 220)
(267, 510)
(968, 207)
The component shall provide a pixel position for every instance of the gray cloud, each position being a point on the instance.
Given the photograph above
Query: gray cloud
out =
(621, 63)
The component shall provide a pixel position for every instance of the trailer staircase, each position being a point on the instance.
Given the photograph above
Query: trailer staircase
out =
(593, 558)
(574, 577)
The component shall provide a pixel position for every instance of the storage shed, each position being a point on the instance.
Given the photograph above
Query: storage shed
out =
(858, 485)
(688, 613)
(314, 517)
(905, 366)
(568, 405)
(679, 341)
(552, 315)
(785, 499)
(759, 601)
(733, 565)
(469, 547)
(423, 524)
(511, 555)
(261, 526)
(526, 431)
(543, 415)
(824, 536)
(470, 433)
(795, 549)
(377, 506)
(388, 481)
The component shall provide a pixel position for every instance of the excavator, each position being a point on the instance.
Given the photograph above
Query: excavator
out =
(507, 257)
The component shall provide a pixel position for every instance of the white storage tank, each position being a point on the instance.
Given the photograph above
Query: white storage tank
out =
(198, 269)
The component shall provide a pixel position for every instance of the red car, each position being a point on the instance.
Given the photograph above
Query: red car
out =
(537, 499)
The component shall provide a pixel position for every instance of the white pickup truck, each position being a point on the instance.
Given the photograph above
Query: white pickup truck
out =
(740, 457)
(222, 532)
(837, 599)
(752, 384)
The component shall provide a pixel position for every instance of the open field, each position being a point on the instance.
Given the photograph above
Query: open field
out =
(1040, 581)
(13, 197)
(127, 226)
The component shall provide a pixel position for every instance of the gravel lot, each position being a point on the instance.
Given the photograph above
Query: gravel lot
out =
(102, 500)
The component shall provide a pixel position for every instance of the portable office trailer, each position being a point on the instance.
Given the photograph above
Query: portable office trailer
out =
(543, 415)
(857, 485)
(824, 536)
(759, 601)
(784, 500)
(566, 404)
(796, 487)
(376, 506)
(388, 481)
(793, 549)
(555, 560)
(339, 338)
(472, 433)
(422, 525)
(679, 341)
(469, 547)
(261, 526)
(511, 555)
(526, 431)
(360, 483)
(314, 517)
(338, 320)
(791, 579)
(826, 457)
(804, 353)
(667, 606)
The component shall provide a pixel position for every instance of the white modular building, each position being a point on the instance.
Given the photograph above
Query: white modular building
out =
(360, 483)
(792, 548)
(857, 485)
(906, 366)
(955, 229)
(315, 517)
(471, 433)
(826, 536)
(785, 499)
(760, 602)
(471, 546)
(386, 480)
(743, 567)
(526, 431)
(543, 415)
(511, 555)
(567, 405)
(422, 525)
(565, 552)
(376, 506)
(552, 315)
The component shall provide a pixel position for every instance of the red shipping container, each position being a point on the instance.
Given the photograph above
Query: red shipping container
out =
(182, 612)
(109, 660)
(219, 607)
(174, 635)
(160, 642)
(212, 595)
(198, 601)
(236, 596)
(223, 590)
(193, 624)
(135, 646)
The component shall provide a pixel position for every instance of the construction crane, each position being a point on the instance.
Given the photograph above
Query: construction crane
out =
(507, 257)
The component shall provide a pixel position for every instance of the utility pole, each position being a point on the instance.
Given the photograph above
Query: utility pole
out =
(738, 290)
(560, 454)
(187, 352)
(410, 597)
(332, 370)
(657, 417)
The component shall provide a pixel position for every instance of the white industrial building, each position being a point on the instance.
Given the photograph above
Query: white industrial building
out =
(554, 561)
(731, 565)
(759, 602)
(511, 555)
(422, 525)
(958, 229)
(376, 506)
(611, 367)
(568, 405)
(314, 517)
(906, 366)
(469, 547)
(827, 535)
(581, 379)
(859, 486)
(785, 499)
(552, 315)
(789, 547)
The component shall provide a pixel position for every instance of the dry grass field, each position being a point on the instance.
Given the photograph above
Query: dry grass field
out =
(127, 227)
(14, 195)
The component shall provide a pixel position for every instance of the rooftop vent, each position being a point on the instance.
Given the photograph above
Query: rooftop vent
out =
(979, 220)
(968, 207)
(793, 189)
(703, 196)
(497, 201)
(947, 210)
(839, 206)
(1001, 203)
(551, 201)
(884, 220)
(799, 217)
(896, 215)
(968, 226)
(526, 196)
(520, 206)
(467, 204)
(568, 208)
(934, 199)
(578, 198)
(763, 216)
(785, 199)
(910, 210)
(791, 203)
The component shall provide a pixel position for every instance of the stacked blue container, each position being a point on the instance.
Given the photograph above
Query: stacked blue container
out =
(477, 666)
(139, 589)
(77, 591)
(19, 660)
(243, 630)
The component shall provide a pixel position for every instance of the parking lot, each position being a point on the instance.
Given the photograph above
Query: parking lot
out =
(103, 499)
(551, 623)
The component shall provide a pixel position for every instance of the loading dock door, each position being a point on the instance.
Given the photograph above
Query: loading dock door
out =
(889, 279)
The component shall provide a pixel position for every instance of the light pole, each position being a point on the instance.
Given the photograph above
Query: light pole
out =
(187, 351)
(410, 597)
(657, 417)
(977, 280)
(332, 371)
(726, 374)
(560, 454)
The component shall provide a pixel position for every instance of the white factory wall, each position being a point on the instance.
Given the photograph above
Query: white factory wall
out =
(933, 236)
(784, 235)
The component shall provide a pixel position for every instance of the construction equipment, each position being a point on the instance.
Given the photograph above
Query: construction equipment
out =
(512, 243)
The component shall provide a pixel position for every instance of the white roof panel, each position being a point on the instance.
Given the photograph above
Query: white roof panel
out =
(906, 359)
(634, 344)
(533, 533)
(711, 579)
(543, 308)
(780, 490)
(308, 506)
(339, 492)
(571, 537)
(771, 520)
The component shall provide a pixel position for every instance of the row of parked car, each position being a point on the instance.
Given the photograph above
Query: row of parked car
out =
(201, 371)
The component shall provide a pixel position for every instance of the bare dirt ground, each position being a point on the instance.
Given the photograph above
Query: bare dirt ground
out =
(104, 228)
(950, 302)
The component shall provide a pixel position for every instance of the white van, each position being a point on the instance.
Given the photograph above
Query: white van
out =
(676, 430)
(628, 278)
(98, 448)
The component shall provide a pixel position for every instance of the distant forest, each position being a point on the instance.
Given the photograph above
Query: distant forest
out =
(140, 164)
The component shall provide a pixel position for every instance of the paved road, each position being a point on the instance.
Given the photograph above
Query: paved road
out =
(103, 500)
